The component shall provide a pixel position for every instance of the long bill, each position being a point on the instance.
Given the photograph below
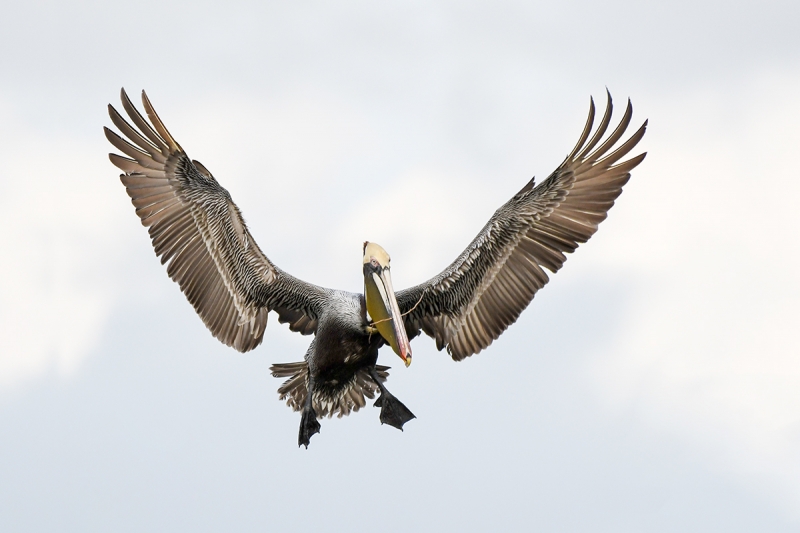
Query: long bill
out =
(385, 314)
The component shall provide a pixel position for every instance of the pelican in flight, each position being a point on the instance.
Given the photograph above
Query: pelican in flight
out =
(197, 229)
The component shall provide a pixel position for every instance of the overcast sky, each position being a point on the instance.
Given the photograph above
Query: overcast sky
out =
(651, 386)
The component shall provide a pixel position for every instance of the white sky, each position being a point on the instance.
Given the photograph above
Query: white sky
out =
(652, 386)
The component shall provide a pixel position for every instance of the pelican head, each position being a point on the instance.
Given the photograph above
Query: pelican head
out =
(381, 302)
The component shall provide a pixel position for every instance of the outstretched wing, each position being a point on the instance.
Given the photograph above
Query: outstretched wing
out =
(196, 227)
(481, 293)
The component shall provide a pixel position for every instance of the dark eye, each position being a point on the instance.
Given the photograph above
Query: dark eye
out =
(375, 263)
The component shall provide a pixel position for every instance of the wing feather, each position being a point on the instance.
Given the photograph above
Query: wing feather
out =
(197, 229)
(487, 287)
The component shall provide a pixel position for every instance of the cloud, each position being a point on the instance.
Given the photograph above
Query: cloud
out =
(425, 218)
(58, 211)
(710, 350)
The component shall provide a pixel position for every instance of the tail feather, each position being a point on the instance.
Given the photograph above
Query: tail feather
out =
(350, 397)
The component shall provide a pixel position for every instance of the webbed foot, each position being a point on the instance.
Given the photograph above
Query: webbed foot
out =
(308, 427)
(393, 412)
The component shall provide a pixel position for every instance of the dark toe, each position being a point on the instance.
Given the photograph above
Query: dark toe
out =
(308, 427)
(394, 413)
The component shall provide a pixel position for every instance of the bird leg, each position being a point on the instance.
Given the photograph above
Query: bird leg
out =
(393, 412)
(308, 420)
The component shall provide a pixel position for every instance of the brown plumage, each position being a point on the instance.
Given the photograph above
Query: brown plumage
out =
(481, 293)
(197, 229)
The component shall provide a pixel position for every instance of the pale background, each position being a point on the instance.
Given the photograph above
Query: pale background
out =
(654, 385)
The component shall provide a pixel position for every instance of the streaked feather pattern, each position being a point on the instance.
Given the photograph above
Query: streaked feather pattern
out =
(344, 399)
(196, 228)
(485, 289)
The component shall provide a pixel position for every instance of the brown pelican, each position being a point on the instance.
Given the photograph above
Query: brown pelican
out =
(199, 231)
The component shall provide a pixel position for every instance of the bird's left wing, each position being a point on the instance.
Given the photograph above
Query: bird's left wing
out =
(196, 227)
(485, 289)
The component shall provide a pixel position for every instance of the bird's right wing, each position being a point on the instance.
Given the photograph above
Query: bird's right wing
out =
(195, 226)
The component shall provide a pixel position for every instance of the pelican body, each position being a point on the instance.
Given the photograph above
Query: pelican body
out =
(341, 363)
(197, 229)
